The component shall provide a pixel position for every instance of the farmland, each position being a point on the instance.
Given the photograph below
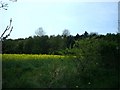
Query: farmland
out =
(51, 71)
(36, 71)
(81, 61)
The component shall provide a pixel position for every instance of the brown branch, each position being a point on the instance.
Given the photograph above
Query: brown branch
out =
(4, 5)
(7, 28)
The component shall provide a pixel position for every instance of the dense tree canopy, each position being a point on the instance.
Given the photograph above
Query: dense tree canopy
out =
(59, 44)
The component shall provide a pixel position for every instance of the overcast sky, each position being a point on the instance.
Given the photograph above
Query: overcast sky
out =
(54, 17)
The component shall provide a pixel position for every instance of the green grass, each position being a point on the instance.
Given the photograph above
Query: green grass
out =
(50, 71)
(36, 71)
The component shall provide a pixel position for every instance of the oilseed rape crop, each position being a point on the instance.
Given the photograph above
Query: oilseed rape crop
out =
(52, 71)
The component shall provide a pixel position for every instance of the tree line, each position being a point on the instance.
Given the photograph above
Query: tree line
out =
(59, 44)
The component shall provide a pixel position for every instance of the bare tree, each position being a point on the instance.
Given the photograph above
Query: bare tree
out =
(9, 28)
(66, 32)
(40, 32)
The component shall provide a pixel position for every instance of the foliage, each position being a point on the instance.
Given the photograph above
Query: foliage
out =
(95, 55)
(87, 61)
(48, 69)
(51, 71)
(38, 45)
